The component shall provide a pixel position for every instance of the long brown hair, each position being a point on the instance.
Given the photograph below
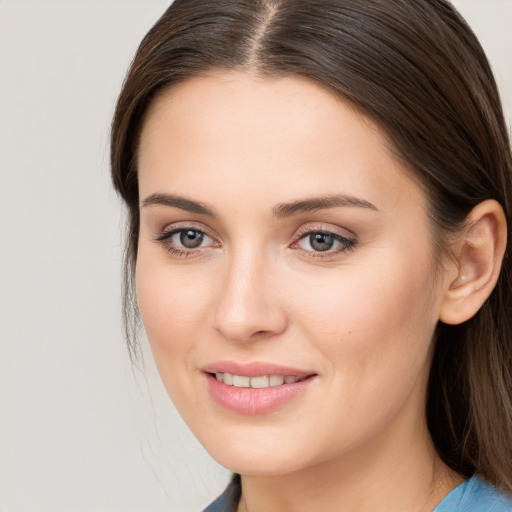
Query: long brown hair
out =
(415, 68)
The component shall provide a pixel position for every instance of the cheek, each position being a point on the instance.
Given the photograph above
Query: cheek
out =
(172, 305)
(374, 326)
(373, 330)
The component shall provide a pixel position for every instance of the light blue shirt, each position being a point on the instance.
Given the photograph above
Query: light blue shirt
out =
(475, 495)
(472, 495)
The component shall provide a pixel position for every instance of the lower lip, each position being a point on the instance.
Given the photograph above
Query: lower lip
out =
(255, 400)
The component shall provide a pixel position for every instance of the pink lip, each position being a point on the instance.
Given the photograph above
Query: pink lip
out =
(251, 400)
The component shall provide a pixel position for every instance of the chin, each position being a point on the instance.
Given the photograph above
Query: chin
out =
(251, 455)
(258, 465)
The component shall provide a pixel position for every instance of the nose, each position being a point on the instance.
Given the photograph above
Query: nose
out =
(250, 302)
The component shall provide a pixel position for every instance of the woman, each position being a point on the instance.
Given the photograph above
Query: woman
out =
(318, 197)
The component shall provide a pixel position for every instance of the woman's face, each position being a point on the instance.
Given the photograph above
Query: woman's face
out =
(283, 247)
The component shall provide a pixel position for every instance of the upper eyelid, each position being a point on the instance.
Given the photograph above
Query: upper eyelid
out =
(343, 236)
(181, 226)
(324, 228)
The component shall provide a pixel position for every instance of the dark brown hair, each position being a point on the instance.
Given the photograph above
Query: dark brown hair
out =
(415, 68)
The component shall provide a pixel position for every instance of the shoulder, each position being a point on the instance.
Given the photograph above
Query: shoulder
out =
(219, 505)
(222, 504)
(475, 495)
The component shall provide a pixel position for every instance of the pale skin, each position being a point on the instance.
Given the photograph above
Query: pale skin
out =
(219, 156)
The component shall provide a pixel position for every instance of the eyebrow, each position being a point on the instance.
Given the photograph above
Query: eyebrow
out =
(320, 203)
(280, 211)
(178, 202)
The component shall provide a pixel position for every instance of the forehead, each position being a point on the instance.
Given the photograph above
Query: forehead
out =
(236, 130)
(292, 105)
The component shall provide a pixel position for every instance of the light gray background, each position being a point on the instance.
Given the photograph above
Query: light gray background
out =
(79, 430)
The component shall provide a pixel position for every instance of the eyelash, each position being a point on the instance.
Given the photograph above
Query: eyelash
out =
(346, 244)
(166, 236)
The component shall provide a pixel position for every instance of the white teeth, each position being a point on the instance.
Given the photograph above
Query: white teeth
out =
(260, 382)
(264, 381)
(276, 380)
(240, 381)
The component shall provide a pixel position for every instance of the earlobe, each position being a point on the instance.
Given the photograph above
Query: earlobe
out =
(478, 256)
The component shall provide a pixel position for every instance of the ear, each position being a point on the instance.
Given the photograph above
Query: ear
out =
(478, 255)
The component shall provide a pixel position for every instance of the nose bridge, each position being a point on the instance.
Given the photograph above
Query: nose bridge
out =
(248, 304)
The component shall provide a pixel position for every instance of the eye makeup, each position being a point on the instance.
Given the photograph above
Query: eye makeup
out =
(185, 240)
(188, 239)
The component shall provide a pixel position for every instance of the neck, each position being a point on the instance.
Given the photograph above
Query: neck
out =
(394, 472)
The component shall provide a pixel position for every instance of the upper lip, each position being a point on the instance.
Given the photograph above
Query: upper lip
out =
(254, 369)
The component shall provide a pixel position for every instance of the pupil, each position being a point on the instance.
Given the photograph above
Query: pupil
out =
(191, 239)
(321, 241)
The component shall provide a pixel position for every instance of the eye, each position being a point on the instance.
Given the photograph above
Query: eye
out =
(320, 241)
(189, 238)
(185, 241)
(326, 242)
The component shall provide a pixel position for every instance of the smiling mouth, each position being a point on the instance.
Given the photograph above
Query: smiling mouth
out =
(263, 381)
(259, 392)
